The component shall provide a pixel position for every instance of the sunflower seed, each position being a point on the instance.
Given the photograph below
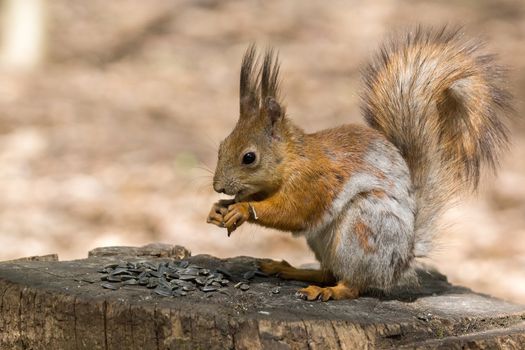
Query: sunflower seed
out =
(175, 278)
(425, 316)
(163, 291)
(155, 274)
(109, 286)
(173, 275)
(201, 280)
(209, 288)
(163, 283)
(149, 265)
(131, 282)
(190, 271)
(188, 288)
(187, 277)
(127, 277)
(152, 283)
(113, 278)
(120, 271)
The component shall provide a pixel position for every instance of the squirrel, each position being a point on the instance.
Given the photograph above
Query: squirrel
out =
(366, 198)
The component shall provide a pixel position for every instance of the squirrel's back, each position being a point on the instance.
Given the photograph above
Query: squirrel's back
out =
(439, 99)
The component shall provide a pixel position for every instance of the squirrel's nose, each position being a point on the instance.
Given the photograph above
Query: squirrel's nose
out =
(218, 188)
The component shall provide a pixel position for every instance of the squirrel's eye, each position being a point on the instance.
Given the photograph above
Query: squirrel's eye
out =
(248, 158)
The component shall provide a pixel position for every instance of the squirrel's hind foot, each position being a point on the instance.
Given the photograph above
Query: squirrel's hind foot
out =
(272, 267)
(338, 292)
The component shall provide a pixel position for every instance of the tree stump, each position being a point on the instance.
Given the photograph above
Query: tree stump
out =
(48, 304)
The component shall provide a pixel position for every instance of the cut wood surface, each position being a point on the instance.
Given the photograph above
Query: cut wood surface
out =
(53, 304)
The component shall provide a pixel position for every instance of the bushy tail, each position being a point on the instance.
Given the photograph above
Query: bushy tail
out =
(440, 101)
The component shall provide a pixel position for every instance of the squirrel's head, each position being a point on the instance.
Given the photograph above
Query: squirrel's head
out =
(250, 156)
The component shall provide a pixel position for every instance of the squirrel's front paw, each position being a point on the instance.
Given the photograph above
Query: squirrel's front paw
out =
(237, 215)
(217, 213)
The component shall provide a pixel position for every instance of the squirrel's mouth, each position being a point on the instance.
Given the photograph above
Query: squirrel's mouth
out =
(245, 196)
(241, 196)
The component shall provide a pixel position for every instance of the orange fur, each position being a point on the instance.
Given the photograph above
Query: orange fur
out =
(363, 234)
(325, 161)
(378, 193)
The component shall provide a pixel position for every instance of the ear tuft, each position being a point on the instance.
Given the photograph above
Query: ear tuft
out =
(249, 83)
(259, 85)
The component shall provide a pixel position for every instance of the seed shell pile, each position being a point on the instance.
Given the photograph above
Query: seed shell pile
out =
(173, 278)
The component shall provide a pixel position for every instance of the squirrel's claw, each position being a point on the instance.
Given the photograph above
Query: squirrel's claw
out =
(312, 293)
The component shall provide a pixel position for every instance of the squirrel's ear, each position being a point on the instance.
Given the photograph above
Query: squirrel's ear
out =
(273, 109)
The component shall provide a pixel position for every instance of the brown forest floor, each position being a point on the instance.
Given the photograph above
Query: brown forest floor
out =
(105, 143)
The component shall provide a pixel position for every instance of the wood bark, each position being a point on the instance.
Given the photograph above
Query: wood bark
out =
(61, 305)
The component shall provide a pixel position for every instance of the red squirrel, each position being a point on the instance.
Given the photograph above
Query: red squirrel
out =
(366, 198)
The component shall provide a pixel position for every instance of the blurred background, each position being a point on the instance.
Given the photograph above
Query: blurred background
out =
(111, 112)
